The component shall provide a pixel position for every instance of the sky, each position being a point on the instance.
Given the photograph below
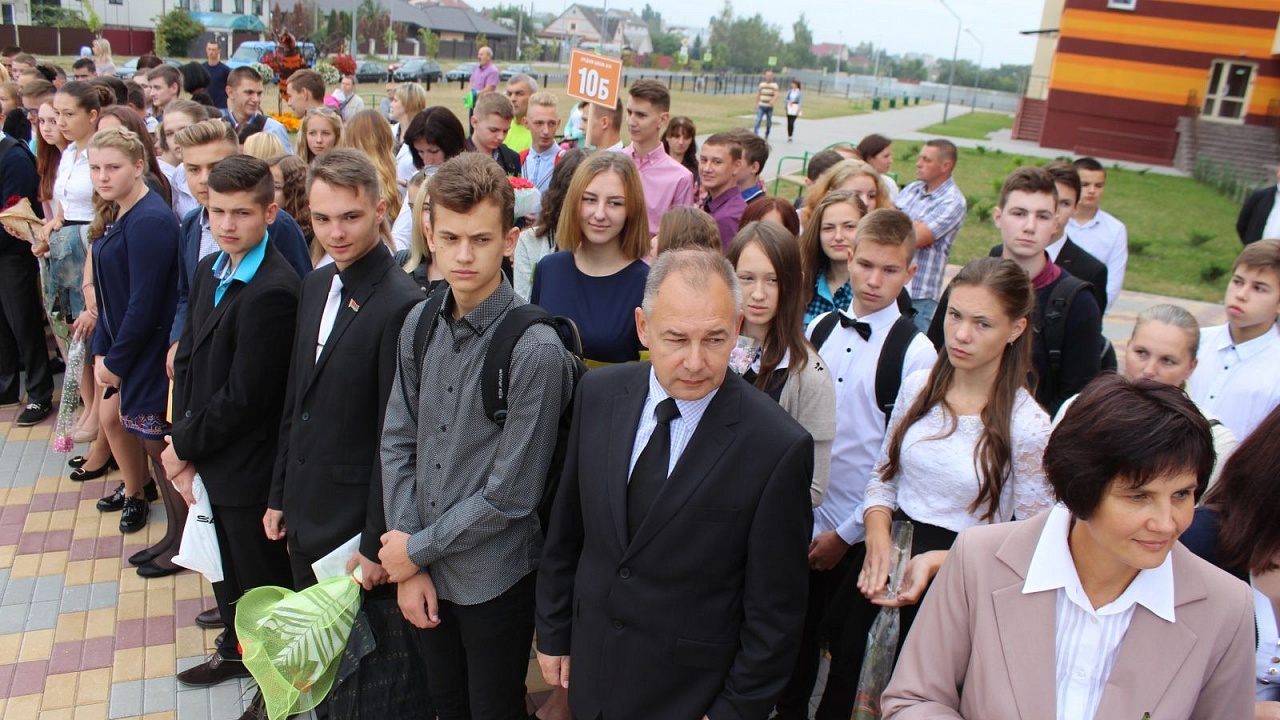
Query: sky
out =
(899, 26)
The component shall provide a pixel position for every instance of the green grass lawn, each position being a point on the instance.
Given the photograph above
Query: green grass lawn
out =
(975, 125)
(1182, 239)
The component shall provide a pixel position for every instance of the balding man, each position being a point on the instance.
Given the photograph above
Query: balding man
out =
(674, 574)
(519, 89)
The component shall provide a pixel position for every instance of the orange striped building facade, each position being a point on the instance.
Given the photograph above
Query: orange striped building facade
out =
(1124, 72)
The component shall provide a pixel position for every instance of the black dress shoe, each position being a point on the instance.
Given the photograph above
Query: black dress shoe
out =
(134, 515)
(215, 670)
(33, 414)
(76, 462)
(211, 618)
(81, 473)
(156, 570)
(142, 557)
(115, 501)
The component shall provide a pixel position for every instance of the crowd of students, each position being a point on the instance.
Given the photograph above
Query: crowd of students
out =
(323, 314)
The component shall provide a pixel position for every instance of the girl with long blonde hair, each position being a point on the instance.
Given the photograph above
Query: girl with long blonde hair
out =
(370, 133)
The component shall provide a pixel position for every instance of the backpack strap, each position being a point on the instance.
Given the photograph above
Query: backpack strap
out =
(822, 330)
(893, 356)
(8, 142)
(1053, 322)
(422, 329)
(495, 372)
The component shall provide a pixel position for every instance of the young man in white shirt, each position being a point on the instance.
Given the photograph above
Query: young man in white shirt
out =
(164, 85)
(1237, 376)
(604, 128)
(539, 161)
(1098, 231)
(244, 100)
(881, 263)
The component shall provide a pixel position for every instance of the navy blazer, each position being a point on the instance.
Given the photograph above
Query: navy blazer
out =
(284, 234)
(1252, 220)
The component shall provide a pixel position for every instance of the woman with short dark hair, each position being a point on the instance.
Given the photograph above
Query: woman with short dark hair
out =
(1092, 609)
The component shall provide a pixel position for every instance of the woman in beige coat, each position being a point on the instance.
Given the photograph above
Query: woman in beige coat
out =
(783, 364)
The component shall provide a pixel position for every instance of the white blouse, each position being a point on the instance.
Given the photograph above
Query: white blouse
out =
(1268, 659)
(938, 477)
(73, 186)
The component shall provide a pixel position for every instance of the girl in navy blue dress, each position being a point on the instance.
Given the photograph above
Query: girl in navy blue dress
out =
(135, 274)
(597, 279)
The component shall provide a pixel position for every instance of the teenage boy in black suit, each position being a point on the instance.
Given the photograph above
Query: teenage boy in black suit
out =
(228, 392)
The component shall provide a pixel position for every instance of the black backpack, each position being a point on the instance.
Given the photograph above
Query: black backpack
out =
(494, 374)
(893, 356)
(1053, 327)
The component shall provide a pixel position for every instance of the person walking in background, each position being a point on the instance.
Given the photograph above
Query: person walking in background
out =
(218, 73)
(766, 96)
(793, 100)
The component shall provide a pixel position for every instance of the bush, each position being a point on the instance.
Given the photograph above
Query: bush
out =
(345, 64)
(176, 30)
(265, 72)
(328, 72)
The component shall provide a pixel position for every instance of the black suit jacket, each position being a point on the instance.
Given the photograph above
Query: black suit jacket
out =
(1253, 215)
(701, 612)
(1077, 261)
(327, 478)
(229, 378)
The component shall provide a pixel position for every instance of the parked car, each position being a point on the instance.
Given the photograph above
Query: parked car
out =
(368, 71)
(416, 69)
(518, 69)
(127, 71)
(462, 72)
(253, 51)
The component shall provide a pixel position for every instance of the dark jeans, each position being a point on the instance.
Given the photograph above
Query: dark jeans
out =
(849, 633)
(793, 704)
(478, 656)
(791, 125)
(249, 560)
(22, 329)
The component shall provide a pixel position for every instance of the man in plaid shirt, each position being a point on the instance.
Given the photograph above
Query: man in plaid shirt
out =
(937, 209)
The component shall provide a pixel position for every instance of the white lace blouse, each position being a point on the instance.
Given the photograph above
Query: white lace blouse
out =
(938, 478)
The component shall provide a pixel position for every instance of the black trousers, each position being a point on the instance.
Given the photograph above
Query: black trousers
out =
(853, 617)
(22, 329)
(479, 656)
(249, 560)
(793, 704)
(791, 125)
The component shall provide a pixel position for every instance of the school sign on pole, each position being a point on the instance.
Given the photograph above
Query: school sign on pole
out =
(594, 78)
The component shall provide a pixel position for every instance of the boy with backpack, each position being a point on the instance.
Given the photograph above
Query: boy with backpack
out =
(869, 349)
(462, 485)
(1068, 344)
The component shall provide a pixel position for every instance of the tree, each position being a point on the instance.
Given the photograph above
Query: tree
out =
(481, 40)
(800, 51)
(653, 19)
(59, 17)
(372, 20)
(666, 44)
(430, 42)
(176, 30)
(520, 19)
(91, 19)
(695, 50)
(296, 20)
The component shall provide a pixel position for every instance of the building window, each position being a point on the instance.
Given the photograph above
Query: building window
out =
(7, 15)
(257, 7)
(215, 5)
(115, 2)
(1230, 83)
(182, 4)
(1122, 5)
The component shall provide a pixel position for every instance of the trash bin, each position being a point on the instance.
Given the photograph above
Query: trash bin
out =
(893, 102)
(917, 102)
(875, 103)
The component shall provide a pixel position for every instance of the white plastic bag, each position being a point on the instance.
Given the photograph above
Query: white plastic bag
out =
(335, 563)
(199, 549)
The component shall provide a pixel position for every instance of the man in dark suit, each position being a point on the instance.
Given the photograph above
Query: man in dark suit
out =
(327, 487)
(229, 380)
(675, 571)
(1251, 224)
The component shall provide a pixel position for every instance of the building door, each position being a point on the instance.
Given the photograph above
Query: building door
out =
(1230, 84)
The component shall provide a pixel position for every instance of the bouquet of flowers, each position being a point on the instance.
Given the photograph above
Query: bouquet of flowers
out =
(66, 423)
(743, 355)
(528, 198)
(882, 641)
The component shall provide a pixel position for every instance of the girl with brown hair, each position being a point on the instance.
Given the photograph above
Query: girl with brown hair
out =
(824, 247)
(964, 447)
(321, 131)
(786, 366)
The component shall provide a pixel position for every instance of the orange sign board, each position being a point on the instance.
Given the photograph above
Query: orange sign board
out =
(594, 78)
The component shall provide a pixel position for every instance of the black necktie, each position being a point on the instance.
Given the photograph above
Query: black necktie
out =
(858, 326)
(651, 467)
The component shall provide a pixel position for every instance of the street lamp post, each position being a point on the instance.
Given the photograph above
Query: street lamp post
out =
(982, 49)
(955, 54)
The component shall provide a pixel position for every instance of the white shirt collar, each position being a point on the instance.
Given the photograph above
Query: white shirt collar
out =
(1055, 248)
(1053, 568)
(690, 410)
(1249, 348)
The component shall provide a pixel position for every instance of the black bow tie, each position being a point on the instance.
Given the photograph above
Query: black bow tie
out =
(858, 326)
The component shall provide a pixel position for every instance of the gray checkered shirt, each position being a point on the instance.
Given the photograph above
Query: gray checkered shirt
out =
(465, 490)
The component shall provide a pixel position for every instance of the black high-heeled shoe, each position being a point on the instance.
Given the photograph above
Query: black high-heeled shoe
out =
(77, 462)
(115, 501)
(80, 474)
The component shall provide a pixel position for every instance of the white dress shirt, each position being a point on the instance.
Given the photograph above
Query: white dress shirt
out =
(859, 422)
(937, 477)
(73, 187)
(1272, 228)
(1264, 615)
(1240, 383)
(682, 428)
(1107, 239)
(1089, 639)
(402, 227)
